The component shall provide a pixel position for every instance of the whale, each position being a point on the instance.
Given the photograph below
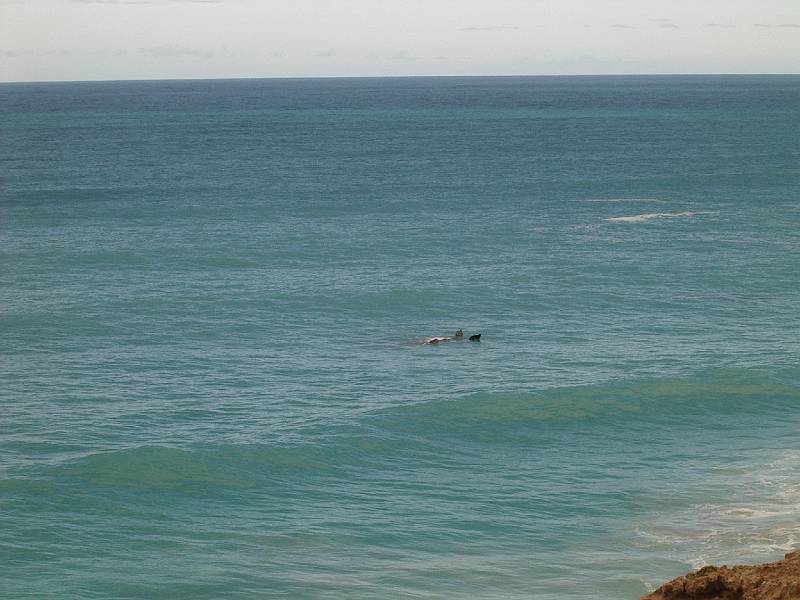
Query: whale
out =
(439, 339)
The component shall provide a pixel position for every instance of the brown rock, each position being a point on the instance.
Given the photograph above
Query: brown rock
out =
(772, 581)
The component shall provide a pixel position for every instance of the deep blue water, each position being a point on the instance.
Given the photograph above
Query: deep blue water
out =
(211, 294)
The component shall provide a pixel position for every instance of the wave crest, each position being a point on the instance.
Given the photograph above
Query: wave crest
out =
(217, 466)
(644, 217)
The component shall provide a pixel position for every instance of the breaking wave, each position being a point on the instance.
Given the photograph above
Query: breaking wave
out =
(651, 216)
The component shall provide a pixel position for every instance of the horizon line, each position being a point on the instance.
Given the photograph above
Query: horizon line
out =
(451, 76)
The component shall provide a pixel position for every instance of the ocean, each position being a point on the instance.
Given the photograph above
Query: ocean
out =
(211, 300)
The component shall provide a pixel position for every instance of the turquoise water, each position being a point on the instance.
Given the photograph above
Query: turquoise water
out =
(211, 294)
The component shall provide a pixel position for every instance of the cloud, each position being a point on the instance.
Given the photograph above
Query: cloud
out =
(174, 50)
(665, 23)
(622, 26)
(397, 55)
(783, 25)
(127, 2)
(8, 54)
(491, 28)
(596, 63)
(145, 1)
(105, 52)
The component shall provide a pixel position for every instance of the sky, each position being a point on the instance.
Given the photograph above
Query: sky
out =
(56, 40)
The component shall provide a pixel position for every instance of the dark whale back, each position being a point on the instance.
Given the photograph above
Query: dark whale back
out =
(475, 338)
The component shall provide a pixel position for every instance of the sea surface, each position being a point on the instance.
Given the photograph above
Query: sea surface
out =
(211, 294)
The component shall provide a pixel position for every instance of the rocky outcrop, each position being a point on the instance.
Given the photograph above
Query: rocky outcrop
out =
(772, 581)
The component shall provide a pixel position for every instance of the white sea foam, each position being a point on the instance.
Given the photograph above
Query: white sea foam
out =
(756, 521)
(744, 512)
(650, 216)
